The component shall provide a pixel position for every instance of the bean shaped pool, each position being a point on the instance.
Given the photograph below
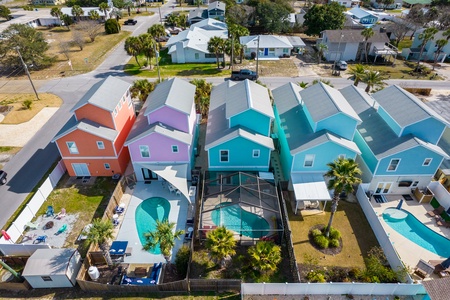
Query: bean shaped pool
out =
(411, 228)
(150, 210)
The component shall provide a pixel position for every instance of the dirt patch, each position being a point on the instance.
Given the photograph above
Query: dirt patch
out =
(284, 67)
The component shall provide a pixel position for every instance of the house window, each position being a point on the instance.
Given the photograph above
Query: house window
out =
(393, 164)
(145, 152)
(46, 278)
(72, 147)
(309, 160)
(107, 166)
(285, 50)
(120, 105)
(224, 155)
(427, 161)
(174, 149)
(197, 56)
(415, 183)
(209, 55)
(124, 99)
(256, 153)
(100, 145)
(115, 112)
(128, 94)
(129, 102)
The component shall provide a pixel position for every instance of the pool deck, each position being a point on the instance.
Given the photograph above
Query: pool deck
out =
(128, 231)
(409, 252)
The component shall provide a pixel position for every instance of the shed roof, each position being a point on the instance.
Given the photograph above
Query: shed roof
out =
(48, 262)
(354, 36)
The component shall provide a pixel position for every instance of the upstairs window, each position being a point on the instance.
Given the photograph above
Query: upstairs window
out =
(100, 145)
(393, 165)
(224, 156)
(255, 153)
(145, 151)
(427, 162)
(72, 147)
(174, 149)
(309, 160)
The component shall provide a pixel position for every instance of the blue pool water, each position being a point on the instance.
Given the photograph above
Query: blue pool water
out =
(234, 218)
(150, 210)
(417, 232)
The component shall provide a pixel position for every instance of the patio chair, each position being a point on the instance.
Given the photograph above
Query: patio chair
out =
(443, 223)
(50, 211)
(61, 214)
(120, 208)
(40, 239)
(115, 222)
(32, 225)
(423, 269)
(61, 229)
(436, 212)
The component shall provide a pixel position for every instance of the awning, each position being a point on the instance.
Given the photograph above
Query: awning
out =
(174, 174)
(310, 187)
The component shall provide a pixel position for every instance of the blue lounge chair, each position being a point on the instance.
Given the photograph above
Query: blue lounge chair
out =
(62, 229)
(115, 222)
(50, 211)
(120, 209)
(40, 239)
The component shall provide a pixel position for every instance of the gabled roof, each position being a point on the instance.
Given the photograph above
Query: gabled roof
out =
(404, 107)
(195, 38)
(360, 13)
(287, 97)
(243, 133)
(210, 24)
(354, 36)
(247, 95)
(265, 41)
(198, 13)
(323, 101)
(217, 5)
(175, 93)
(86, 10)
(87, 126)
(161, 129)
(104, 94)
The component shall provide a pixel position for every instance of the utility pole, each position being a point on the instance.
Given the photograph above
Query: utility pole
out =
(160, 18)
(232, 52)
(28, 73)
(340, 55)
(157, 60)
(257, 57)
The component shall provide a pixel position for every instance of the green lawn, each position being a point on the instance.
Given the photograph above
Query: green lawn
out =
(403, 70)
(405, 43)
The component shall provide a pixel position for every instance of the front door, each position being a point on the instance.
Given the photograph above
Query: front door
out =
(266, 51)
(383, 187)
(148, 174)
(81, 169)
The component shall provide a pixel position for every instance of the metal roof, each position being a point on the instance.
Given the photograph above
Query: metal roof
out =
(195, 38)
(159, 128)
(48, 262)
(104, 94)
(246, 133)
(310, 186)
(360, 13)
(87, 126)
(174, 93)
(403, 107)
(296, 41)
(217, 5)
(353, 36)
(322, 101)
(265, 41)
(210, 24)
(198, 13)
(287, 97)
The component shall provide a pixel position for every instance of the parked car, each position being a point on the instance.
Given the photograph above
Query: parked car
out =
(130, 22)
(243, 74)
(3, 178)
(341, 65)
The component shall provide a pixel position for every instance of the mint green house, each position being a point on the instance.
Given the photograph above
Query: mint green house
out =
(238, 128)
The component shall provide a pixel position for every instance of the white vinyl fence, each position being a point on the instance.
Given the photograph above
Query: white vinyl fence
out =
(440, 193)
(29, 212)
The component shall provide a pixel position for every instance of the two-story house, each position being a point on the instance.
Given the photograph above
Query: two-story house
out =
(215, 10)
(430, 50)
(163, 138)
(398, 139)
(238, 128)
(91, 143)
(314, 126)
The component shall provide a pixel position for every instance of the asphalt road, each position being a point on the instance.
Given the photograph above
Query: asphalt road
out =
(27, 167)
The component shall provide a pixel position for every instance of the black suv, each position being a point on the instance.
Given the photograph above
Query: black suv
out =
(3, 179)
(130, 22)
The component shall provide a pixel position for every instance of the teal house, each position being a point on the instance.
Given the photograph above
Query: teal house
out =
(398, 139)
(313, 126)
(239, 127)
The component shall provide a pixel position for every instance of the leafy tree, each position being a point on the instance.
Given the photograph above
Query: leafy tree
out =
(386, 3)
(93, 15)
(133, 46)
(216, 45)
(28, 8)
(378, 270)
(321, 48)
(426, 36)
(220, 244)
(182, 260)
(367, 33)
(324, 17)
(141, 88)
(112, 26)
(100, 233)
(202, 95)
(67, 20)
(231, 48)
(57, 13)
(236, 31)
(240, 15)
(77, 11)
(357, 73)
(4, 12)
(342, 176)
(157, 31)
(265, 256)
(373, 79)
(149, 47)
(164, 235)
(441, 43)
(31, 43)
(103, 7)
(324, 81)
(273, 16)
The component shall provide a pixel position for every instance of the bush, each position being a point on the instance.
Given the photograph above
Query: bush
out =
(334, 243)
(315, 276)
(335, 234)
(316, 232)
(419, 91)
(321, 241)
(112, 26)
(182, 260)
(27, 104)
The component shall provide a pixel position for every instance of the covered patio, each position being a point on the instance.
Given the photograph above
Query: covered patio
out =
(309, 190)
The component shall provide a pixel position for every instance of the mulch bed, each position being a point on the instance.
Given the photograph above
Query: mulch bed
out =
(328, 251)
(5, 109)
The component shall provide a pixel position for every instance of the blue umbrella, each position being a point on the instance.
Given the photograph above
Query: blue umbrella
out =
(399, 206)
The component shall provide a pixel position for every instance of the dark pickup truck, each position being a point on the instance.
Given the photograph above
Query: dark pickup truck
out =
(130, 22)
(243, 74)
(3, 177)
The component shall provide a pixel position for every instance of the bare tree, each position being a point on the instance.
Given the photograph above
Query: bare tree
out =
(399, 30)
(78, 39)
(64, 49)
(90, 28)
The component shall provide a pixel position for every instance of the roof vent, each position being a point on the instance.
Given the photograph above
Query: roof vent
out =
(368, 138)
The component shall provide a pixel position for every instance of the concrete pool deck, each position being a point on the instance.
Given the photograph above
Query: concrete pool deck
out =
(128, 230)
(408, 251)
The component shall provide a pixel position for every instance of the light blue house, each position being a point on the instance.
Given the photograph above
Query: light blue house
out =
(430, 49)
(398, 139)
(364, 17)
(313, 126)
(238, 129)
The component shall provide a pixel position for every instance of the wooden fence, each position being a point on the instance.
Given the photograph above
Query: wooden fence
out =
(115, 199)
(15, 286)
(215, 285)
(176, 286)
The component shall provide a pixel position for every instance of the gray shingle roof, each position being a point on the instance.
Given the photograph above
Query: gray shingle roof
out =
(174, 93)
(104, 94)
(247, 95)
(404, 107)
(323, 101)
(87, 126)
(354, 36)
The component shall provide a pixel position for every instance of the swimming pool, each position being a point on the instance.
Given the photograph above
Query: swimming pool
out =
(233, 217)
(150, 210)
(407, 225)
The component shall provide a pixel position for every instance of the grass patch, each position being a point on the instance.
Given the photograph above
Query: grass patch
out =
(9, 150)
(403, 70)
(405, 43)
(19, 114)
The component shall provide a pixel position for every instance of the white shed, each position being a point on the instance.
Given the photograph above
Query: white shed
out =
(52, 268)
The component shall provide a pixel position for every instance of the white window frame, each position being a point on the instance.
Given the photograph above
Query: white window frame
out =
(309, 158)
(107, 166)
(124, 99)
(197, 55)
(415, 183)
(119, 105)
(390, 163)
(256, 153)
(115, 112)
(174, 148)
(227, 154)
(427, 161)
(100, 145)
(73, 149)
(144, 148)
(129, 101)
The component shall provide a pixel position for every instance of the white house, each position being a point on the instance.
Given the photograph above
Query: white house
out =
(396, 5)
(347, 3)
(191, 45)
(364, 17)
(429, 50)
(52, 268)
(215, 10)
(86, 10)
(270, 46)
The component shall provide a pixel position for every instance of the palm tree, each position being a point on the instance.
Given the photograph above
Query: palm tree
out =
(100, 233)
(236, 31)
(321, 48)
(426, 36)
(303, 85)
(373, 79)
(157, 31)
(149, 47)
(103, 7)
(202, 94)
(343, 175)
(232, 47)
(77, 11)
(367, 34)
(441, 43)
(56, 12)
(133, 46)
(141, 88)
(164, 235)
(93, 15)
(358, 72)
(216, 46)
(220, 244)
(265, 256)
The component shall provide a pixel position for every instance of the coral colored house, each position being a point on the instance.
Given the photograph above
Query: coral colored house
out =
(91, 143)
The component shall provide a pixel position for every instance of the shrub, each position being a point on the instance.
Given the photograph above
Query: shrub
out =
(316, 232)
(315, 276)
(27, 104)
(419, 91)
(321, 241)
(182, 260)
(335, 234)
(334, 243)
(112, 26)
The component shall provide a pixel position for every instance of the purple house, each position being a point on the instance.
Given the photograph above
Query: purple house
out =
(162, 140)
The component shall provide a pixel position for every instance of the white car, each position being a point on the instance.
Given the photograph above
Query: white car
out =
(341, 65)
